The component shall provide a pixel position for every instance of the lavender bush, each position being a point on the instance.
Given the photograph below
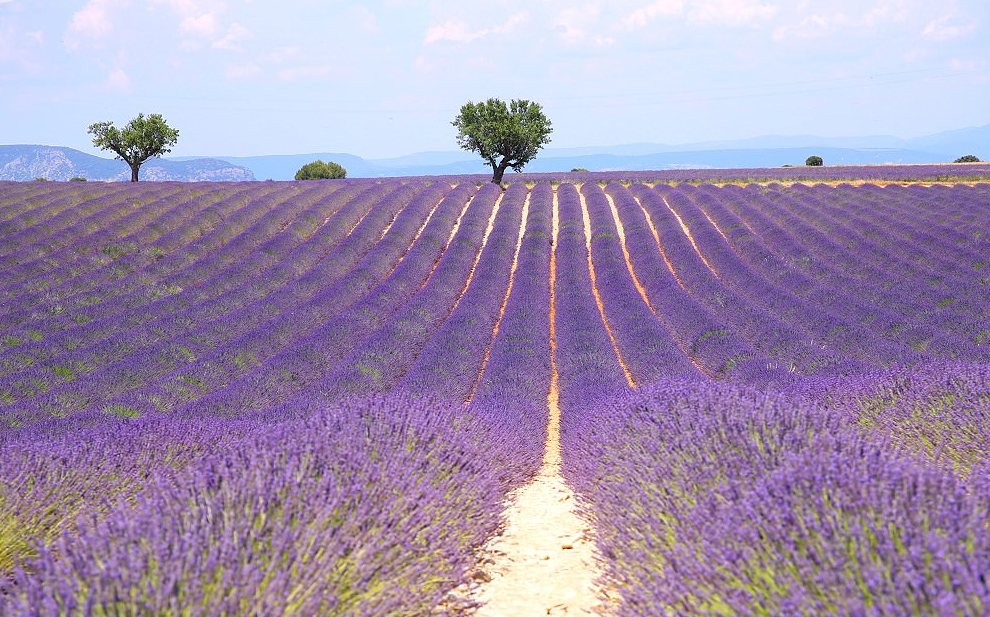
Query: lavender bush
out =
(314, 398)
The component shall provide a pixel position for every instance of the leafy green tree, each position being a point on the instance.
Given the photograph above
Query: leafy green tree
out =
(318, 170)
(140, 139)
(504, 135)
(969, 158)
(814, 161)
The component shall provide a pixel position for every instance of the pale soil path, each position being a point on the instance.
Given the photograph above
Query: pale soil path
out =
(543, 563)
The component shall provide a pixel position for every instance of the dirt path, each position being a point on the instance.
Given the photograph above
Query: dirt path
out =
(543, 563)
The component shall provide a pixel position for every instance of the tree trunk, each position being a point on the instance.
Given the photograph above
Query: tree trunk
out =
(134, 172)
(499, 171)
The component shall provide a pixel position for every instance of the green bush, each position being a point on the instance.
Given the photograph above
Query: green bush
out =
(318, 170)
(814, 161)
(969, 158)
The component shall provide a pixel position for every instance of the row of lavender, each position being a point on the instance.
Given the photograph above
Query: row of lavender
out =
(934, 172)
(280, 302)
(302, 504)
(850, 490)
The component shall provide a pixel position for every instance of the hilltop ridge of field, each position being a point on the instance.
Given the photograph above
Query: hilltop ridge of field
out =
(765, 151)
(27, 162)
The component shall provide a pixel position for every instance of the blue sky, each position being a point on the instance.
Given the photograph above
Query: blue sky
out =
(379, 79)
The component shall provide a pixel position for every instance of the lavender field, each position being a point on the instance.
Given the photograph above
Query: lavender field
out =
(313, 398)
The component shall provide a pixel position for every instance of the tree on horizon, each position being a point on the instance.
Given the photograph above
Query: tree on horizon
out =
(504, 135)
(140, 139)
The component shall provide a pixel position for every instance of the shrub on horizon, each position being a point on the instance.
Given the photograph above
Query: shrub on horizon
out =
(969, 158)
(814, 161)
(318, 170)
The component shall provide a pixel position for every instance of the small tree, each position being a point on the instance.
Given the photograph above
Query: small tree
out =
(814, 161)
(141, 139)
(504, 135)
(969, 158)
(318, 170)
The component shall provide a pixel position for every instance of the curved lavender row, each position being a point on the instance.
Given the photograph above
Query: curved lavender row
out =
(828, 292)
(450, 361)
(22, 198)
(715, 499)
(277, 308)
(828, 328)
(941, 411)
(165, 356)
(936, 172)
(648, 349)
(811, 249)
(890, 258)
(706, 338)
(35, 268)
(952, 213)
(921, 244)
(144, 301)
(785, 344)
(369, 508)
(39, 231)
(379, 362)
(371, 292)
(587, 364)
(98, 354)
(965, 206)
(866, 221)
(57, 471)
(199, 220)
(514, 383)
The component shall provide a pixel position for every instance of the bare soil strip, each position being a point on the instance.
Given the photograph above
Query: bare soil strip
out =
(544, 562)
(505, 298)
(598, 297)
(687, 232)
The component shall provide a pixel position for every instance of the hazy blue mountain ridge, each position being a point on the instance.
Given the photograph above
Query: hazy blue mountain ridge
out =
(58, 163)
(28, 162)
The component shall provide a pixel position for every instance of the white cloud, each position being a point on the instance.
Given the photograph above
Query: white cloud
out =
(364, 18)
(235, 33)
(284, 53)
(577, 25)
(243, 71)
(942, 30)
(731, 12)
(646, 14)
(118, 80)
(811, 27)
(887, 11)
(306, 72)
(457, 31)
(968, 65)
(92, 22)
(201, 25)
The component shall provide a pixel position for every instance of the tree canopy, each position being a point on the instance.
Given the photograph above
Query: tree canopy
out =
(969, 158)
(318, 170)
(139, 140)
(814, 161)
(504, 135)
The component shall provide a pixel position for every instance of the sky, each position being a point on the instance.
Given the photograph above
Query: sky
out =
(386, 78)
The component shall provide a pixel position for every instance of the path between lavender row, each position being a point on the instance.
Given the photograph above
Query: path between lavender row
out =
(543, 562)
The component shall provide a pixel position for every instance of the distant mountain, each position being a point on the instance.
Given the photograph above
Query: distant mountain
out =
(27, 162)
(55, 163)
(765, 151)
